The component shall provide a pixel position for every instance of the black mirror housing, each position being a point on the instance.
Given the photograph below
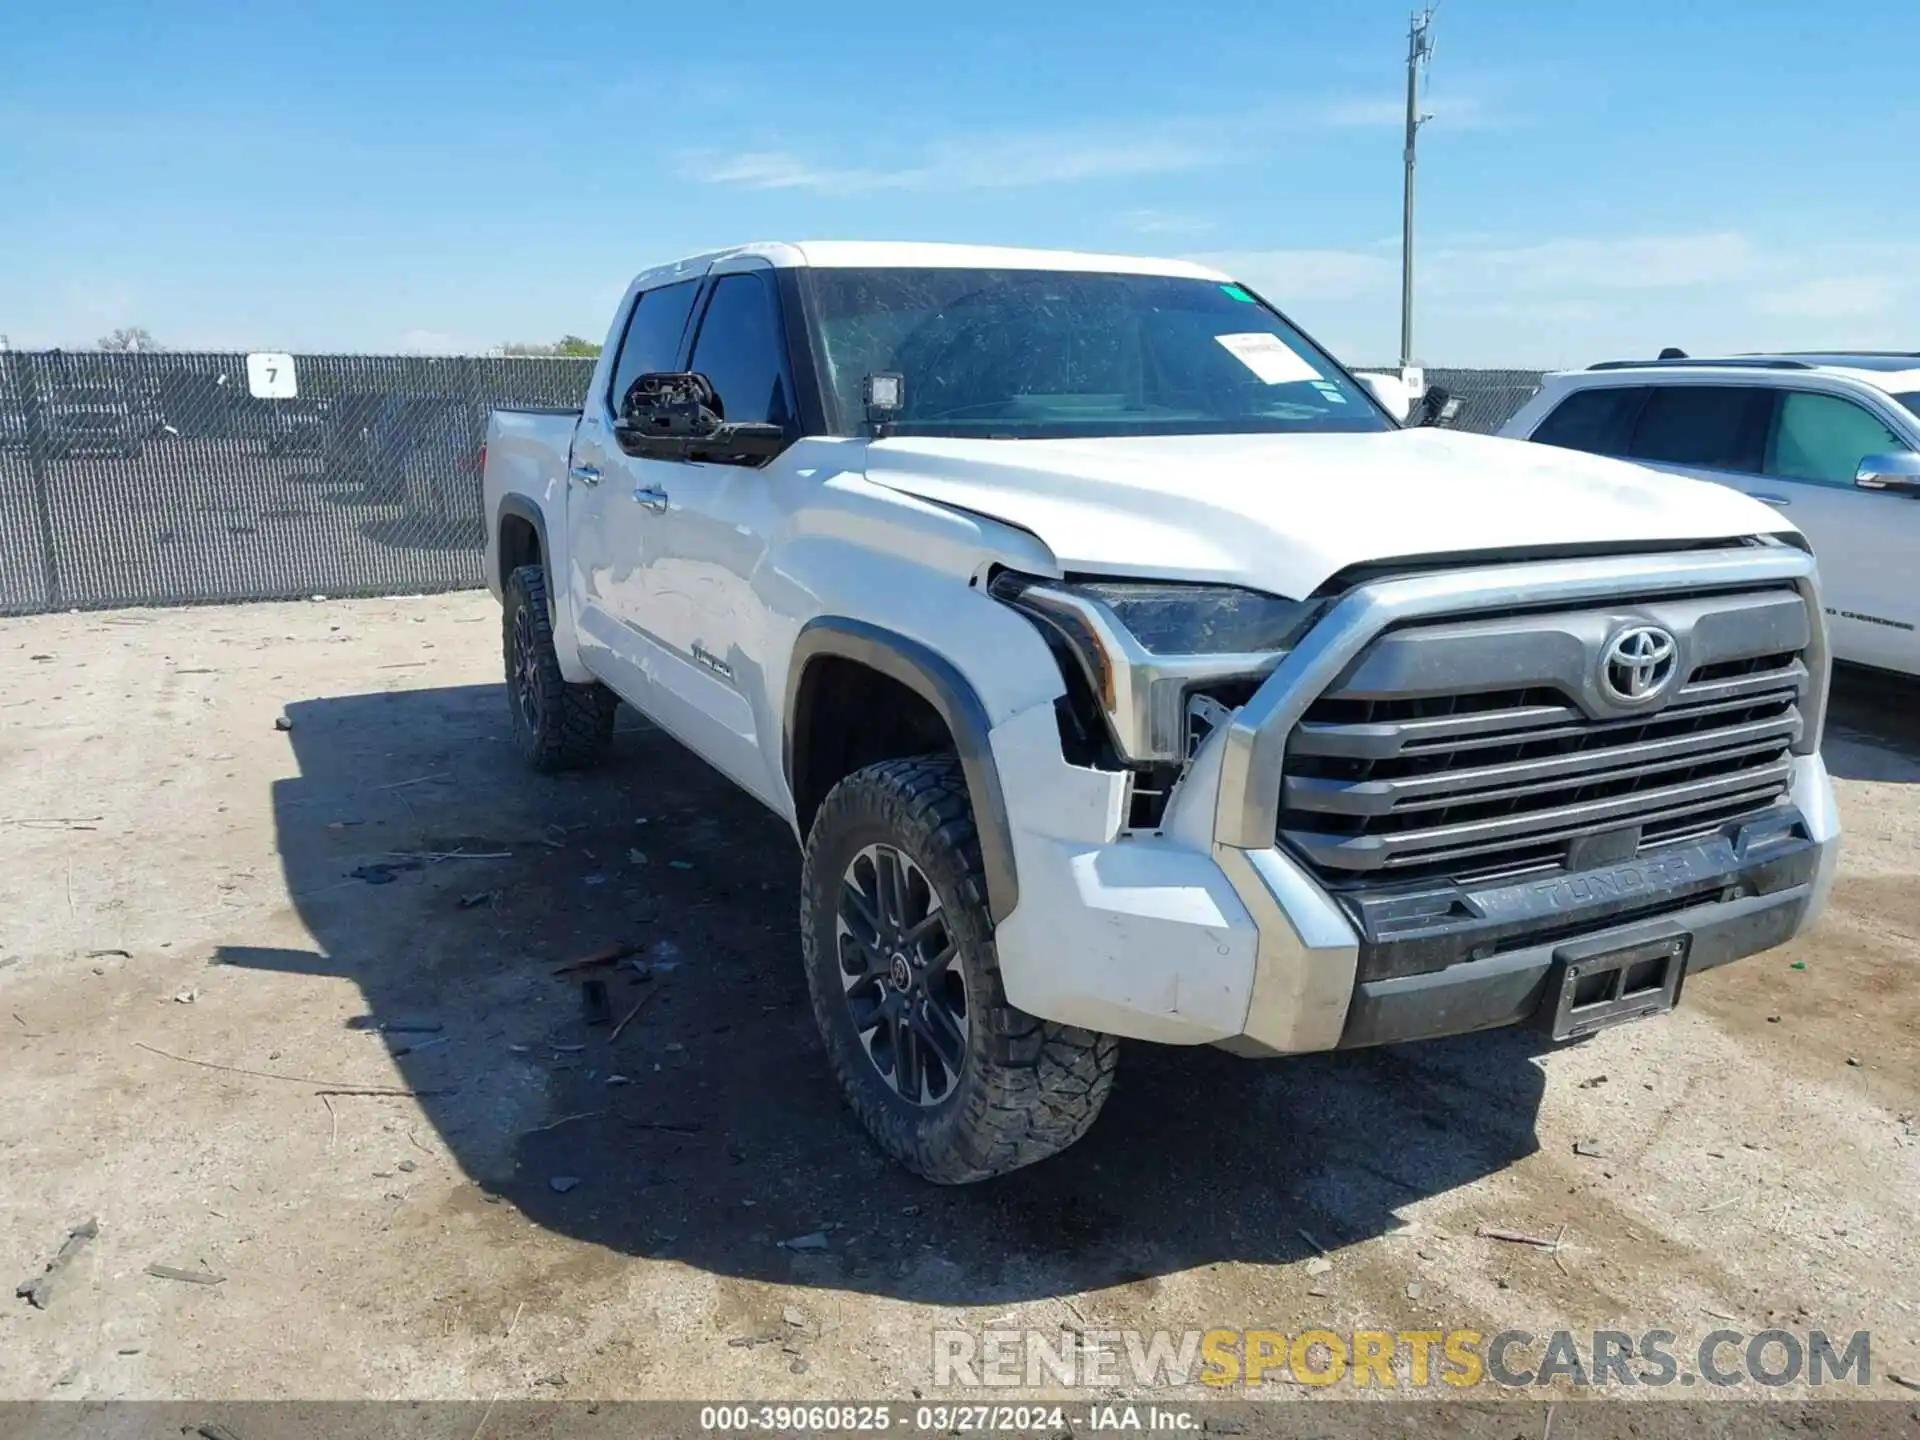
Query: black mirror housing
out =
(677, 415)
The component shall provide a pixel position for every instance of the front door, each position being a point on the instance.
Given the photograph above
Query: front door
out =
(1797, 451)
(704, 531)
(1866, 541)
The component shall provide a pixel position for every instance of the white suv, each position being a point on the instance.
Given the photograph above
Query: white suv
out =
(1832, 441)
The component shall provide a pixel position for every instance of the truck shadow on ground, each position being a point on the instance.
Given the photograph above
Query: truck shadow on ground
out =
(710, 1131)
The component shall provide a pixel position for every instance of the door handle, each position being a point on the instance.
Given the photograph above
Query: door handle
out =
(585, 474)
(651, 497)
(1779, 502)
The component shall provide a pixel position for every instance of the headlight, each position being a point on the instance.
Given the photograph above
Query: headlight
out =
(1145, 645)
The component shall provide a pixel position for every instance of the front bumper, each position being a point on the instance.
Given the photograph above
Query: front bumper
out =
(1194, 935)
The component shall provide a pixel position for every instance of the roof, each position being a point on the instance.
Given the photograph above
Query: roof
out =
(900, 254)
(1884, 370)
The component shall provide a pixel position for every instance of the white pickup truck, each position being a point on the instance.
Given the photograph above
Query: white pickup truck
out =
(1126, 667)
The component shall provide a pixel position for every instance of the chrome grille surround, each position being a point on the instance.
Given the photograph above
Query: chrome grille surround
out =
(1308, 951)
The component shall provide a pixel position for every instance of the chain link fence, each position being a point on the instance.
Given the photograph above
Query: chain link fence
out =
(159, 479)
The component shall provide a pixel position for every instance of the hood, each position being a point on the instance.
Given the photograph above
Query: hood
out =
(1282, 513)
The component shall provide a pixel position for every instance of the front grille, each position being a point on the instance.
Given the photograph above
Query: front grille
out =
(1387, 779)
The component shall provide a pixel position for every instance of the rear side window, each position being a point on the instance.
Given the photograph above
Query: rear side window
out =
(652, 341)
(739, 351)
(1823, 438)
(1715, 427)
(1599, 421)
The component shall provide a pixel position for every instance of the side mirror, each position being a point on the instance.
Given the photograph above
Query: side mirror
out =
(1438, 406)
(675, 415)
(1896, 471)
(1391, 392)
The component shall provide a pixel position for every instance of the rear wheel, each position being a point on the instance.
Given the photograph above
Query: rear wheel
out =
(556, 725)
(949, 1078)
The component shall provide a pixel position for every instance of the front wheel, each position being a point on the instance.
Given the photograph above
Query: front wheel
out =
(556, 726)
(949, 1078)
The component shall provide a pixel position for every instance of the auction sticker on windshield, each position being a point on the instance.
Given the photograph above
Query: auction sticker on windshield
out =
(1269, 357)
(270, 376)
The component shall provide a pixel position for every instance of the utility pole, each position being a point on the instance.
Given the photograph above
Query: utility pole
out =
(1419, 52)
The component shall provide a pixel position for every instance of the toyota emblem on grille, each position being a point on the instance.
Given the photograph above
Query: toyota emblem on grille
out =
(1638, 664)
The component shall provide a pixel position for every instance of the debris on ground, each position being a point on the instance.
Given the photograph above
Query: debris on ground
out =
(1589, 1148)
(190, 1277)
(636, 857)
(1906, 1382)
(1855, 1061)
(750, 1342)
(1416, 1290)
(561, 1184)
(599, 960)
(679, 864)
(39, 1290)
(1513, 1237)
(102, 954)
(408, 1166)
(384, 872)
(1319, 1265)
(812, 1240)
(417, 1025)
(479, 897)
(282, 722)
(791, 1314)
(1593, 1082)
(185, 997)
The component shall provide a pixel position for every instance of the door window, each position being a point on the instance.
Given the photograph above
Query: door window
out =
(1822, 439)
(739, 351)
(1714, 427)
(652, 341)
(1598, 421)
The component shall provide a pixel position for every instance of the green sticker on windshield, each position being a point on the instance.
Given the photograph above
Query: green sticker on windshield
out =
(1234, 292)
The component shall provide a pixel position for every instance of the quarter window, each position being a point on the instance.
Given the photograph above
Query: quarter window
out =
(739, 351)
(1822, 439)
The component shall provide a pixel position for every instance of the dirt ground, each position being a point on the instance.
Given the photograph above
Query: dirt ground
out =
(177, 886)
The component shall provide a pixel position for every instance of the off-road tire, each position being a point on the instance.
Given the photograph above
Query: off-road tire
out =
(556, 726)
(1029, 1088)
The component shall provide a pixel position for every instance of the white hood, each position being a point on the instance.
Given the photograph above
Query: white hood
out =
(1282, 513)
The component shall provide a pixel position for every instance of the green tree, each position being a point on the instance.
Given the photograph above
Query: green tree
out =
(570, 345)
(135, 338)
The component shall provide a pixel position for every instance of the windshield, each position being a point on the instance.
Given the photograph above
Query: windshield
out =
(1046, 354)
(1911, 400)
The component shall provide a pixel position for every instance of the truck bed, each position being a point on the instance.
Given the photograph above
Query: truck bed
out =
(527, 453)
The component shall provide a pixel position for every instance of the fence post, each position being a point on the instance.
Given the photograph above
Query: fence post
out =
(21, 378)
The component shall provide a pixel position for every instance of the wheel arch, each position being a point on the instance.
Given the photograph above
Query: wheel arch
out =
(914, 667)
(515, 518)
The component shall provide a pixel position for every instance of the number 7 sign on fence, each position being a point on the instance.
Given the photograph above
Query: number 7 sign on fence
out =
(270, 376)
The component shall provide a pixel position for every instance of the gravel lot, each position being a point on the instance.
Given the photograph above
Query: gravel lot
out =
(175, 876)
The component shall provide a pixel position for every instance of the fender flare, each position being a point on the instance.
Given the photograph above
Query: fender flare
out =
(934, 679)
(524, 509)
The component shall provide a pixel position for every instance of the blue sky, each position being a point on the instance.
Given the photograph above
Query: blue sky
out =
(1601, 177)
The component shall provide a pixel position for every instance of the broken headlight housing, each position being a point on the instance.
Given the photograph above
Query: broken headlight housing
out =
(1143, 647)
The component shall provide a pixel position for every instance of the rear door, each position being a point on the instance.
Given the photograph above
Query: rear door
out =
(608, 537)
